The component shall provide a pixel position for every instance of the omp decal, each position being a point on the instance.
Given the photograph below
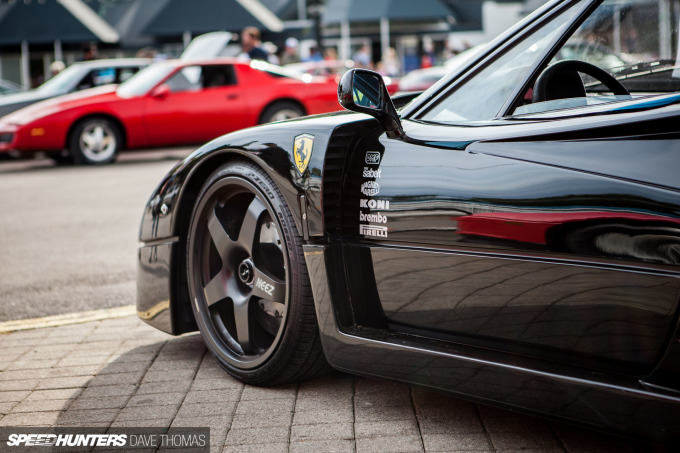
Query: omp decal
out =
(370, 188)
(373, 230)
(372, 157)
(374, 204)
(302, 151)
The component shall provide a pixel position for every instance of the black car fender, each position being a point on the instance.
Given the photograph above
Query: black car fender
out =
(166, 217)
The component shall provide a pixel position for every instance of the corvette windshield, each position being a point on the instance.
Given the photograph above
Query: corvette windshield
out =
(63, 81)
(144, 80)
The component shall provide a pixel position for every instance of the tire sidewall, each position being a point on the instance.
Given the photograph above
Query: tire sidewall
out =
(292, 245)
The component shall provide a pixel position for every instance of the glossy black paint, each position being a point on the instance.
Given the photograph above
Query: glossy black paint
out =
(533, 263)
(166, 216)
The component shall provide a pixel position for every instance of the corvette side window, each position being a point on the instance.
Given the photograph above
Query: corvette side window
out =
(214, 76)
(482, 97)
(186, 79)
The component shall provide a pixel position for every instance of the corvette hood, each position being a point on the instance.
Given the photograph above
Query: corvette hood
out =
(59, 103)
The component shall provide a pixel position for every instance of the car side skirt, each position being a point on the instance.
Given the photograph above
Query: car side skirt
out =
(484, 376)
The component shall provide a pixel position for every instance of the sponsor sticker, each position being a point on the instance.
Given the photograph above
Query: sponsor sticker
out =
(373, 218)
(370, 173)
(373, 230)
(374, 204)
(372, 157)
(302, 151)
(264, 286)
(370, 188)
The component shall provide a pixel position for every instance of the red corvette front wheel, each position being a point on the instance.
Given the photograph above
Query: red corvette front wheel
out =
(95, 141)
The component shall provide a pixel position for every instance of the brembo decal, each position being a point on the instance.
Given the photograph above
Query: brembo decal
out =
(375, 218)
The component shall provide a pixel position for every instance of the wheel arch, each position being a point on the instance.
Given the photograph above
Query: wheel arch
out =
(90, 116)
(181, 309)
(281, 101)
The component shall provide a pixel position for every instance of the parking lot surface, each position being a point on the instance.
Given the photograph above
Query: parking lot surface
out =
(122, 373)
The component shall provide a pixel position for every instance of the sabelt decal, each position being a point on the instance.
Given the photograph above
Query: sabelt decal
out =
(374, 204)
(373, 230)
(302, 151)
(370, 188)
(369, 173)
(372, 157)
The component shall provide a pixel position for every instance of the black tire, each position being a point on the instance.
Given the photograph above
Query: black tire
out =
(248, 280)
(282, 110)
(95, 141)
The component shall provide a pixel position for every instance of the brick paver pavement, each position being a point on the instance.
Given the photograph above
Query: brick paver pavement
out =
(122, 373)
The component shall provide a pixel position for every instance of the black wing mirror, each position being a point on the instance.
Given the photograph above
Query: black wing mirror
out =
(364, 91)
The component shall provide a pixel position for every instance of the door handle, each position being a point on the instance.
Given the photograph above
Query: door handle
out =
(232, 96)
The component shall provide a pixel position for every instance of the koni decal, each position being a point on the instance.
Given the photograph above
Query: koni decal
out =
(374, 204)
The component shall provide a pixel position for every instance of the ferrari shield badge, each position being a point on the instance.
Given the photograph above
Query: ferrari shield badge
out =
(302, 150)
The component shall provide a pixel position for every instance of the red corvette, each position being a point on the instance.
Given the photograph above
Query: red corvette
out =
(168, 103)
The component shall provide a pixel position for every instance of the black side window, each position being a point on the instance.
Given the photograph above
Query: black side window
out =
(218, 76)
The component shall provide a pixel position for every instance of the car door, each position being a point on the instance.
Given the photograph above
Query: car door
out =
(201, 102)
(554, 237)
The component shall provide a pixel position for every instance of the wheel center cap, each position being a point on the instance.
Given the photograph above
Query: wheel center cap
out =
(246, 272)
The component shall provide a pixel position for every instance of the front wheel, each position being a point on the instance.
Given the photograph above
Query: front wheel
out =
(248, 280)
(95, 141)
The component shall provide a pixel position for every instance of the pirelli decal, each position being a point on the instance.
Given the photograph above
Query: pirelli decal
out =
(373, 230)
(302, 151)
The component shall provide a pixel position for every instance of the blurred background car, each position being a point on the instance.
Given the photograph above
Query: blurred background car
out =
(422, 79)
(76, 77)
(173, 102)
(7, 87)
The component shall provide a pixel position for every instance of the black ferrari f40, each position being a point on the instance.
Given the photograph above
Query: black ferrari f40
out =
(510, 235)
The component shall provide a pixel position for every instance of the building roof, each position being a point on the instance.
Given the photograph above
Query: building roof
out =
(50, 20)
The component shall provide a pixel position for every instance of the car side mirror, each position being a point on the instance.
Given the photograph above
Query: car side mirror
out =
(364, 91)
(160, 92)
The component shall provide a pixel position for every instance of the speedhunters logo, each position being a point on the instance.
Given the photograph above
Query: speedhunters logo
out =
(123, 439)
(67, 440)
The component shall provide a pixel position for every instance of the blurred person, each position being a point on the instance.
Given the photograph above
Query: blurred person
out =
(330, 54)
(362, 57)
(90, 52)
(389, 64)
(314, 55)
(290, 52)
(271, 49)
(250, 45)
(56, 67)
(146, 52)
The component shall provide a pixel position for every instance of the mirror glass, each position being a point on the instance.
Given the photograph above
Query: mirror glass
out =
(367, 91)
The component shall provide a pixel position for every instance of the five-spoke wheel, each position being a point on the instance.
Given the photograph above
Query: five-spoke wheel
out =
(247, 278)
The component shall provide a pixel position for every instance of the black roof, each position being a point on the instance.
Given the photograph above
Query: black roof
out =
(201, 16)
(41, 23)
